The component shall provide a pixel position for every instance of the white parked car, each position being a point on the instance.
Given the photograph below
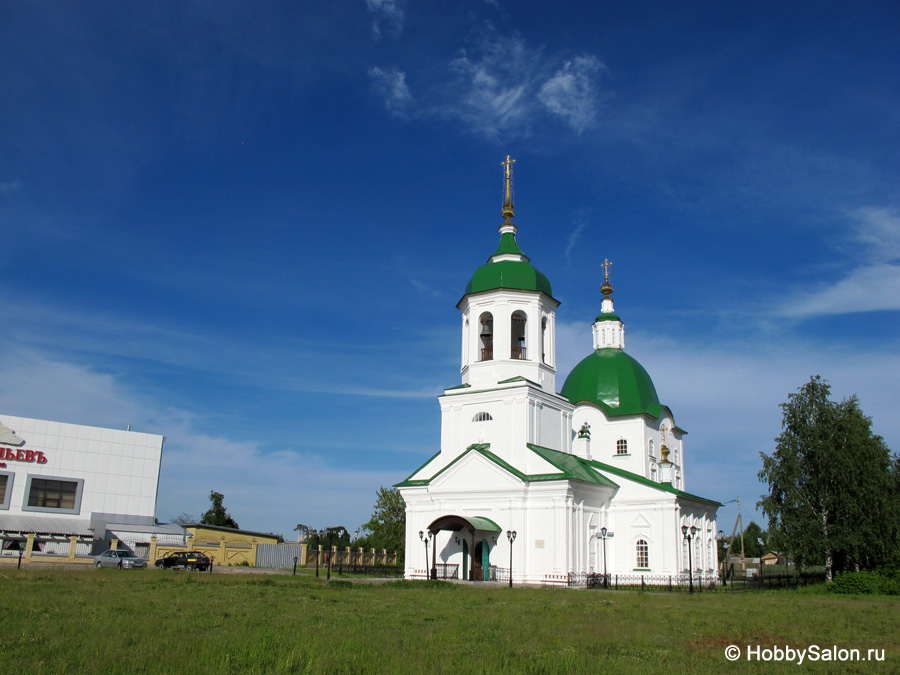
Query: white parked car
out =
(119, 559)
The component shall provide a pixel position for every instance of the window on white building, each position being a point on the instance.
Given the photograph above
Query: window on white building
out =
(621, 447)
(482, 417)
(486, 337)
(642, 554)
(545, 339)
(650, 448)
(53, 494)
(517, 346)
(5, 489)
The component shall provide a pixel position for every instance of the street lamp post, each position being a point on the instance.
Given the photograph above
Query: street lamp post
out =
(511, 535)
(331, 532)
(425, 537)
(724, 561)
(319, 534)
(689, 536)
(603, 535)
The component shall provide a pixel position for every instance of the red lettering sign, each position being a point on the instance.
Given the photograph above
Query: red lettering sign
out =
(22, 455)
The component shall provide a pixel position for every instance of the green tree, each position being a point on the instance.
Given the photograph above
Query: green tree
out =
(830, 497)
(753, 533)
(218, 514)
(387, 526)
(338, 536)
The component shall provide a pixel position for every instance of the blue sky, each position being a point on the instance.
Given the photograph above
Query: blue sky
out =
(245, 226)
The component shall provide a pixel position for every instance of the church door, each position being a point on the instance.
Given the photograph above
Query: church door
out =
(476, 562)
(481, 561)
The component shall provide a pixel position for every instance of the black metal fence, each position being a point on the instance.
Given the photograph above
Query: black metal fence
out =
(700, 583)
(654, 582)
(769, 581)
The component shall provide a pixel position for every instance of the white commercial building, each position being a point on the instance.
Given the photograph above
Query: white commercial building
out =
(588, 480)
(72, 489)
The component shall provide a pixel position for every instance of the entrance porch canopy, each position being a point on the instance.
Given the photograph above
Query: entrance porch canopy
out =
(457, 523)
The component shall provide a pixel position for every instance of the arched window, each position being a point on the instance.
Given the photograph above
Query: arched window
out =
(465, 341)
(642, 554)
(486, 336)
(517, 346)
(621, 447)
(544, 340)
(650, 448)
(482, 417)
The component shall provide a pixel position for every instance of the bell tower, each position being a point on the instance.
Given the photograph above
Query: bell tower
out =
(508, 312)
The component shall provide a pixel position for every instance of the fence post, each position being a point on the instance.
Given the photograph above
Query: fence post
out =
(642, 582)
(670, 583)
(73, 543)
(29, 545)
(254, 545)
(617, 582)
(151, 556)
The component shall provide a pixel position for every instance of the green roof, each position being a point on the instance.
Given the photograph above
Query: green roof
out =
(512, 274)
(508, 244)
(568, 465)
(607, 317)
(665, 487)
(614, 381)
(517, 275)
(481, 523)
(571, 465)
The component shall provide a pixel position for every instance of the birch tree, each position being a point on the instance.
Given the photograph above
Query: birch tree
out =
(830, 497)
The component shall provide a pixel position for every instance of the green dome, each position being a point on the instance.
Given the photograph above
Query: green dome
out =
(614, 381)
(515, 274)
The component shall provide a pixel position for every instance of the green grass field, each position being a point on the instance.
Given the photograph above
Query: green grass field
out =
(152, 621)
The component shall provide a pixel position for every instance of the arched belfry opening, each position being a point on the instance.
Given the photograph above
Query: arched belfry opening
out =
(517, 348)
(486, 336)
(544, 340)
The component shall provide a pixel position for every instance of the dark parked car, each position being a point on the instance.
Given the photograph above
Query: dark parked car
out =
(187, 560)
(120, 559)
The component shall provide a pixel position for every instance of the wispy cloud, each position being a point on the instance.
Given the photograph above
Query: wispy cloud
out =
(572, 93)
(391, 84)
(879, 230)
(388, 14)
(425, 289)
(495, 81)
(574, 237)
(500, 85)
(7, 187)
(872, 285)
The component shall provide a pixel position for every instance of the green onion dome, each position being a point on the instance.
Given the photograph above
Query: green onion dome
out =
(614, 381)
(508, 268)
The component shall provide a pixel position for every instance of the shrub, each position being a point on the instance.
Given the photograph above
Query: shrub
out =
(885, 582)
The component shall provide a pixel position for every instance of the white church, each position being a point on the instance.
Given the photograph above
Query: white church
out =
(548, 486)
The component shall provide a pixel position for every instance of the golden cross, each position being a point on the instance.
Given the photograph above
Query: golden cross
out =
(508, 164)
(507, 197)
(606, 265)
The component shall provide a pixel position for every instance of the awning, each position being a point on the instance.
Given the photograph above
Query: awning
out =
(42, 525)
(470, 523)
